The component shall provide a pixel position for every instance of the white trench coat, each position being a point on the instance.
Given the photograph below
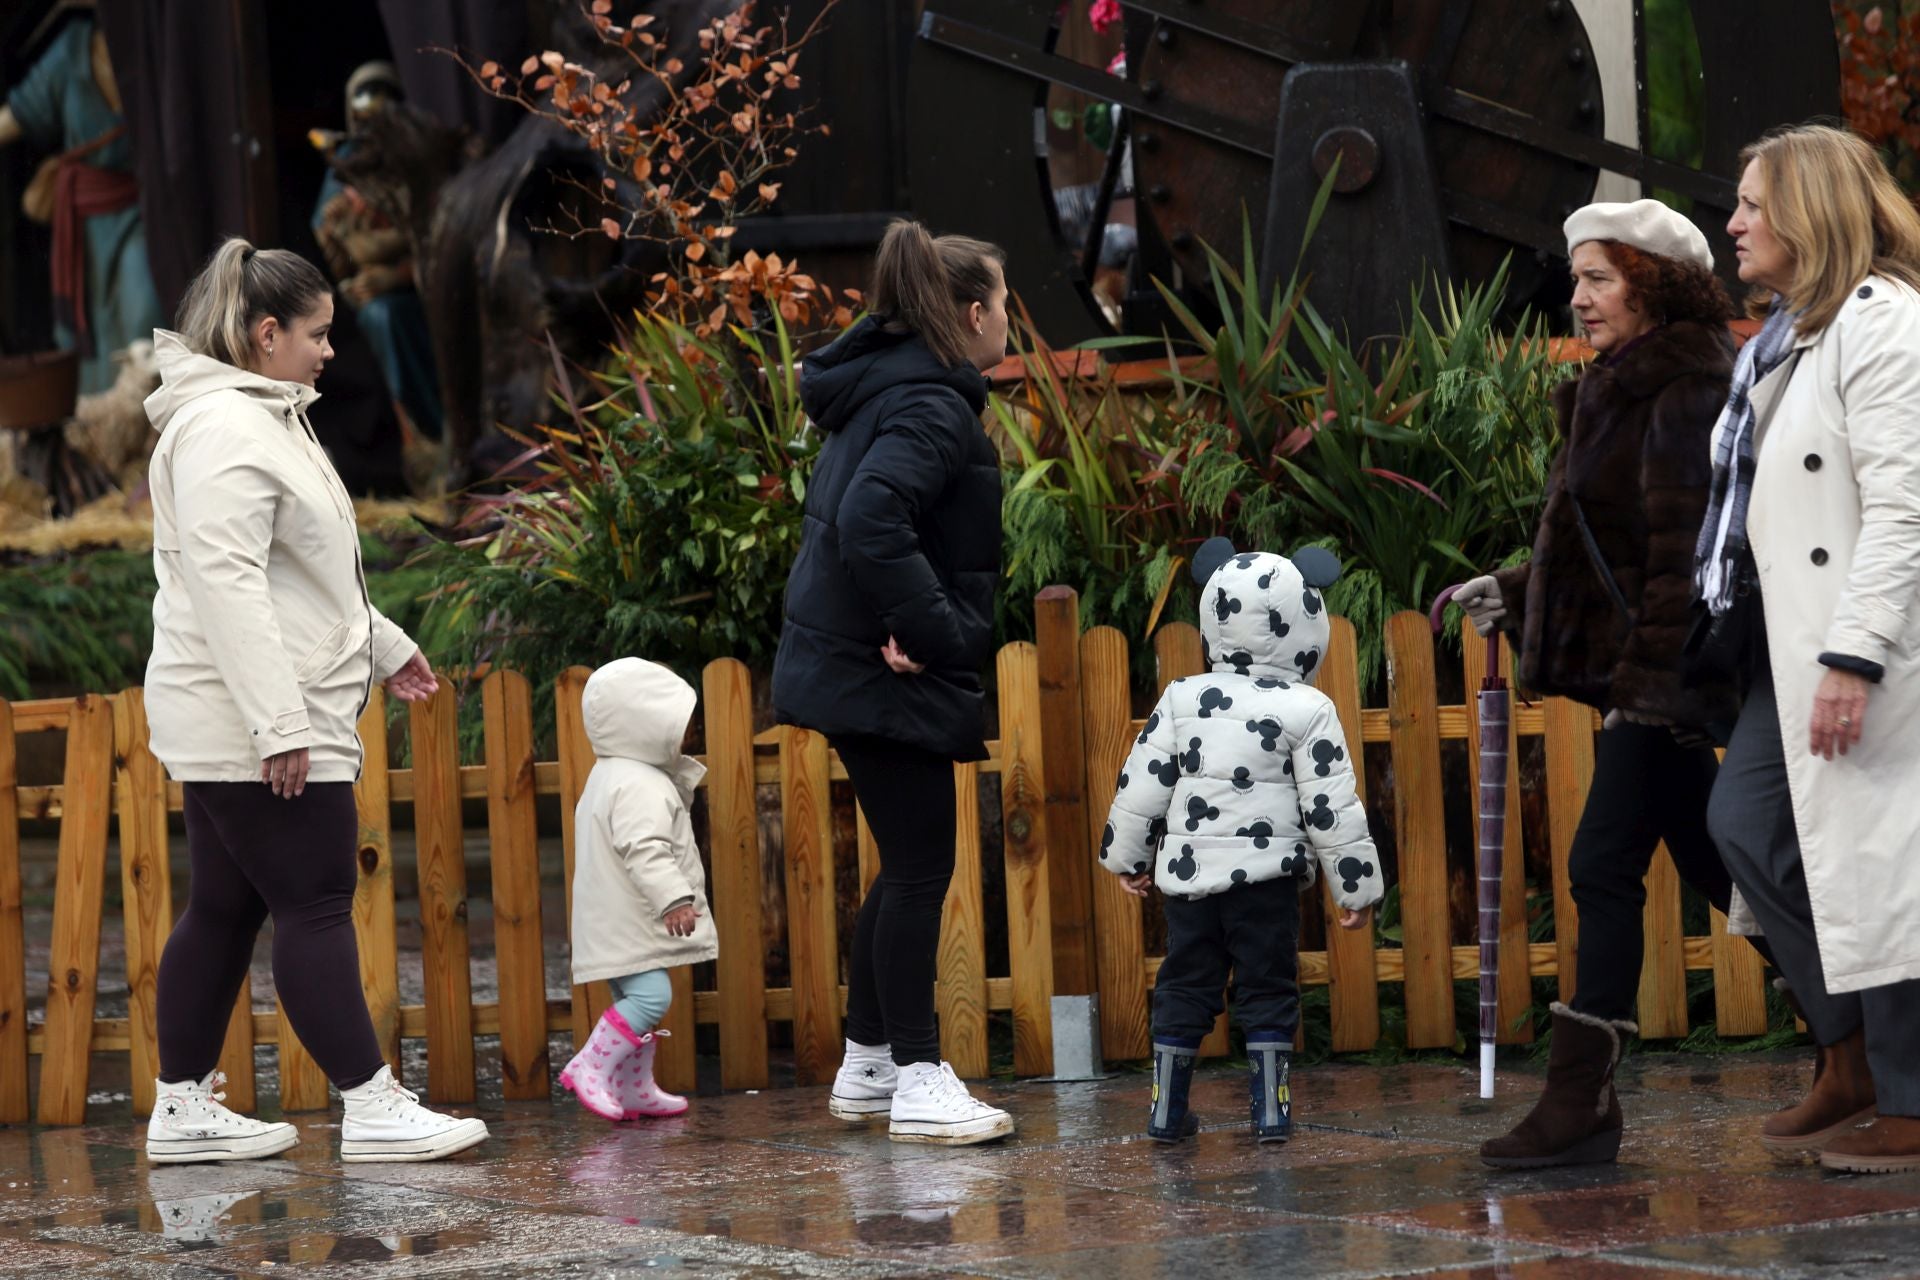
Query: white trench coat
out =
(1834, 526)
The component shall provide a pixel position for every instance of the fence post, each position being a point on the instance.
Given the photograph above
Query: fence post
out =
(1662, 1004)
(1516, 975)
(1177, 654)
(1024, 818)
(443, 897)
(373, 895)
(80, 887)
(1419, 816)
(734, 835)
(806, 816)
(1569, 775)
(1353, 983)
(1107, 733)
(591, 999)
(146, 890)
(1739, 982)
(1056, 613)
(13, 938)
(514, 844)
(962, 993)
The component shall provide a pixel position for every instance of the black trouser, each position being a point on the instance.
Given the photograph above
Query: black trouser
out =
(254, 854)
(908, 797)
(1646, 788)
(1254, 930)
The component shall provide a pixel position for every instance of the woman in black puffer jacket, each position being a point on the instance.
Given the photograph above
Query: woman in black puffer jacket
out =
(889, 621)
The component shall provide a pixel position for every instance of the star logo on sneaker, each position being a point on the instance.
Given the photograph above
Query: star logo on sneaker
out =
(871, 1073)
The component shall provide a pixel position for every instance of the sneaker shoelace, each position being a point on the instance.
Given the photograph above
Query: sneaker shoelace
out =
(945, 1086)
(397, 1098)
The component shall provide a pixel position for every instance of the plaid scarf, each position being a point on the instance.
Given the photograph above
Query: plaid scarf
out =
(1723, 534)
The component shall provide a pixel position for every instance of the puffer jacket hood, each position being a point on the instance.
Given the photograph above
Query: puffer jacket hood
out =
(866, 360)
(637, 710)
(186, 375)
(1259, 617)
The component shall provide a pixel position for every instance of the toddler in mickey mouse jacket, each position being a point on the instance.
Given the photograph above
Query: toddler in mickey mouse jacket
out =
(1236, 793)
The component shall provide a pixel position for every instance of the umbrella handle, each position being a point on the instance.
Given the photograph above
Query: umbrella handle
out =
(1495, 680)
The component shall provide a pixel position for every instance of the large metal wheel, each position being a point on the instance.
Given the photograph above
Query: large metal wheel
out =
(1499, 141)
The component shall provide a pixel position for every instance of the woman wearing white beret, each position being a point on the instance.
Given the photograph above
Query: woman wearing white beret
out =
(1600, 615)
(1813, 537)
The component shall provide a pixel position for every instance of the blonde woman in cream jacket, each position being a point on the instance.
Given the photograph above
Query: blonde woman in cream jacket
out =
(265, 652)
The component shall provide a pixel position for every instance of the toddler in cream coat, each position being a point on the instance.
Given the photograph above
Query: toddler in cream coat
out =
(639, 892)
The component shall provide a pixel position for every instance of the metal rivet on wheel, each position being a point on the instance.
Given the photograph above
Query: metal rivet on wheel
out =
(1182, 239)
(1164, 35)
(1149, 89)
(1159, 193)
(1149, 141)
(1576, 57)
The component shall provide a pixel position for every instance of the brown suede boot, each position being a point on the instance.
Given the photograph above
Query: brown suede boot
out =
(1890, 1144)
(1577, 1120)
(1841, 1097)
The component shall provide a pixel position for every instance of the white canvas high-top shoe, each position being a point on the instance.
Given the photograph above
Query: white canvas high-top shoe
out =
(189, 1124)
(863, 1087)
(385, 1122)
(931, 1105)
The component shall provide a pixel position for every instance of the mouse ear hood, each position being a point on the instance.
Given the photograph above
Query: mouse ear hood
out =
(1213, 553)
(1318, 567)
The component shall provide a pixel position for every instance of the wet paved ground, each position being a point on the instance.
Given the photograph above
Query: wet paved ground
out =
(1380, 1180)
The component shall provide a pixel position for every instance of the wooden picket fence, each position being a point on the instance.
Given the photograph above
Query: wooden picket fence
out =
(1070, 928)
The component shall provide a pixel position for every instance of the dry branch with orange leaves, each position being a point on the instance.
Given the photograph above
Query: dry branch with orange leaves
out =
(685, 165)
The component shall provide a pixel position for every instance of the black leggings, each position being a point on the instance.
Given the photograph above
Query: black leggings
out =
(907, 795)
(1646, 788)
(255, 854)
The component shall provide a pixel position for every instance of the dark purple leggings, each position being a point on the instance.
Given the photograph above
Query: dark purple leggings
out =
(255, 854)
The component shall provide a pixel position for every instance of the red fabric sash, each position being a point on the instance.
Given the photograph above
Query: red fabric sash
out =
(81, 191)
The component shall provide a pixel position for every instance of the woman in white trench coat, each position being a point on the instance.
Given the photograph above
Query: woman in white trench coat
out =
(1813, 809)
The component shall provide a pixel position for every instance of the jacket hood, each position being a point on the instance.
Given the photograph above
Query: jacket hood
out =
(186, 375)
(1259, 617)
(638, 710)
(866, 360)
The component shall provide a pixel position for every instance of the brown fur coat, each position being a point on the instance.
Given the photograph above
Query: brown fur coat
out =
(1636, 455)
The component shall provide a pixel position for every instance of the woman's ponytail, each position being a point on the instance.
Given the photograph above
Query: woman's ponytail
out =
(926, 284)
(239, 286)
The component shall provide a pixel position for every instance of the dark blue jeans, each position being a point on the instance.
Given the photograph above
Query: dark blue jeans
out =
(1252, 931)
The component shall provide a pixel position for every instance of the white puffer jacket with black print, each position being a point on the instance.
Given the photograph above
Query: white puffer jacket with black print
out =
(1243, 774)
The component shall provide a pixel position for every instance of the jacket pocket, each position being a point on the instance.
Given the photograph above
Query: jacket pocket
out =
(322, 653)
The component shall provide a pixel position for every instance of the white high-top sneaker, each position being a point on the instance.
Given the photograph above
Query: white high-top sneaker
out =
(188, 1124)
(385, 1122)
(931, 1105)
(863, 1087)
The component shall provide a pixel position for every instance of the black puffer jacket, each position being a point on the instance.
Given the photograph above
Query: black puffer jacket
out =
(902, 538)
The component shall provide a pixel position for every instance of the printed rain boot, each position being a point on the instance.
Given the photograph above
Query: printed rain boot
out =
(384, 1122)
(641, 1098)
(1577, 1120)
(863, 1087)
(1840, 1098)
(932, 1106)
(1271, 1058)
(1891, 1144)
(1169, 1120)
(188, 1124)
(594, 1072)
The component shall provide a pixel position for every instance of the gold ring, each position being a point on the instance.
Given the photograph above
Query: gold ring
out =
(1846, 723)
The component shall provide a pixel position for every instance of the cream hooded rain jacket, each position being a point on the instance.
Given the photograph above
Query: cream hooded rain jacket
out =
(264, 640)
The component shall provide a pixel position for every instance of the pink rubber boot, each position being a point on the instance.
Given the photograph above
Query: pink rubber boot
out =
(640, 1097)
(595, 1073)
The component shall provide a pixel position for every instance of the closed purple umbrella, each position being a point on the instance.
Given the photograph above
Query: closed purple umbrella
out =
(1494, 705)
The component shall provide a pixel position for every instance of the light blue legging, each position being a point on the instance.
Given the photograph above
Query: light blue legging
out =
(642, 998)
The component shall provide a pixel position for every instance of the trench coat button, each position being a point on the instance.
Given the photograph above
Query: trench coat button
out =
(1813, 462)
(1819, 555)
(1866, 291)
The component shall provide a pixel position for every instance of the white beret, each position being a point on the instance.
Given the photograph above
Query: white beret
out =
(1647, 225)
